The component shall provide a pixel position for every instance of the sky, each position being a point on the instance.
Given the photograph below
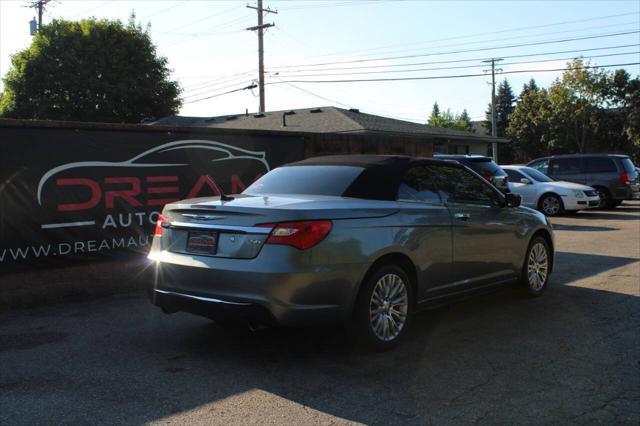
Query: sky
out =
(210, 52)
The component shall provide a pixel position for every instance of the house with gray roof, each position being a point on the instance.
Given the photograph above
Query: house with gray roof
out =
(335, 121)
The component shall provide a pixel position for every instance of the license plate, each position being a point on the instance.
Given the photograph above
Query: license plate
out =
(202, 242)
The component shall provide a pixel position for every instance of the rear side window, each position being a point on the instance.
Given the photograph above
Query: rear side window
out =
(566, 166)
(310, 180)
(600, 165)
(459, 186)
(514, 176)
(418, 185)
(628, 165)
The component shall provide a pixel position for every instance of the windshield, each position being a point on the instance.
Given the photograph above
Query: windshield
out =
(310, 180)
(536, 175)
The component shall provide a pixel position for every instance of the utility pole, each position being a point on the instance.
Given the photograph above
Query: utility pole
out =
(494, 129)
(260, 29)
(40, 6)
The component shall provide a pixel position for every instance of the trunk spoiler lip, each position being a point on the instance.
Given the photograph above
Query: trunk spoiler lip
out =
(213, 227)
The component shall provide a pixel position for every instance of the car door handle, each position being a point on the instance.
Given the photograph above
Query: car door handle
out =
(461, 216)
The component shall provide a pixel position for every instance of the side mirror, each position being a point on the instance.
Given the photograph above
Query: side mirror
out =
(512, 200)
(525, 181)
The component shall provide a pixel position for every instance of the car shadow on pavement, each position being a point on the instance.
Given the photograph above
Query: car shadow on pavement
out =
(522, 359)
(570, 355)
(607, 215)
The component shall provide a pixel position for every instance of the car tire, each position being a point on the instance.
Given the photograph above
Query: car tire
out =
(551, 205)
(536, 267)
(377, 323)
(605, 198)
(615, 203)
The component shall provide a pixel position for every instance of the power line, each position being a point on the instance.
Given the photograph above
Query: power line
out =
(565, 40)
(454, 67)
(183, 25)
(476, 59)
(160, 12)
(448, 76)
(573, 32)
(195, 95)
(249, 87)
(515, 29)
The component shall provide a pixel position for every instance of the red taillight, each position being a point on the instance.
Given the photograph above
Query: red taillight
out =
(624, 178)
(301, 235)
(159, 222)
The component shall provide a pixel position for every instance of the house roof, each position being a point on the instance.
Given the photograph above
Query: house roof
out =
(323, 120)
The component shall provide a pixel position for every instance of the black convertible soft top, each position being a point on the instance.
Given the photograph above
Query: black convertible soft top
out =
(381, 175)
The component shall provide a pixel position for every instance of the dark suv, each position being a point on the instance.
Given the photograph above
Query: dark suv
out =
(484, 166)
(613, 176)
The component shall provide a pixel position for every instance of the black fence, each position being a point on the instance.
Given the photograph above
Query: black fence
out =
(85, 191)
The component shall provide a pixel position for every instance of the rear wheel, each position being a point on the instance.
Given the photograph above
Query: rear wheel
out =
(383, 308)
(551, 205)
(537, 266)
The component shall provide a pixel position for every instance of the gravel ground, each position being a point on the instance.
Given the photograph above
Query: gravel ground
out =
(571, 356)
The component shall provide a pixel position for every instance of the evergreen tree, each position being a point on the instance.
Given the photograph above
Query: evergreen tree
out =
(527, 87)
(435, 115)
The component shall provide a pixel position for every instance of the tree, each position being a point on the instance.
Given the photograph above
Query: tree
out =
(463, 122)
(529, 128)
(449, 120)
(435, 115)
(90, 70)
(505, 104)
(586, 110)
(504, 107)
(528, 87)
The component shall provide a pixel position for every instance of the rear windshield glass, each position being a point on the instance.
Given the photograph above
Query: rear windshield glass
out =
(536, 175)
(311, 180)
(484, 166)
(628, 165)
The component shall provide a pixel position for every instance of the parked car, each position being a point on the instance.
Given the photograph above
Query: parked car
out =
(613, 176)
(484, 166)
(361, 240)
(551, 197)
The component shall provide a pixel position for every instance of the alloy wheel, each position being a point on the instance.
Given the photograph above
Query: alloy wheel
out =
(538, 267)
(388, 307)
(551, 206)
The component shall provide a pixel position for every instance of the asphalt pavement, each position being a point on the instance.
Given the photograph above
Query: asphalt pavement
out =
(570, 356)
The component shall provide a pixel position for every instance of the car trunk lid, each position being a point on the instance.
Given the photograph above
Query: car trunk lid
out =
(212, 227)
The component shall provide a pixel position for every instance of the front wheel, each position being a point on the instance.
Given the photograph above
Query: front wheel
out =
(551, 205)
(383, 308)
(537, 267)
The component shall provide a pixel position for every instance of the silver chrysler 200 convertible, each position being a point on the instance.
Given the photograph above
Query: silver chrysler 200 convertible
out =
(364, 240)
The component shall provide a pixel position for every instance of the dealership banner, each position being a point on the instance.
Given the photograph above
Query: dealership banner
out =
(70, 194)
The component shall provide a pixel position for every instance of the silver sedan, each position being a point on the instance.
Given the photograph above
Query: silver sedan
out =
(548, 195)
(362, 240)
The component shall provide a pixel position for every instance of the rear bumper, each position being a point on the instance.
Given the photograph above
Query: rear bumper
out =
(236, 290)
(627, 192)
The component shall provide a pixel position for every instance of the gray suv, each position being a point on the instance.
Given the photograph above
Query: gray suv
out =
(613, 176)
